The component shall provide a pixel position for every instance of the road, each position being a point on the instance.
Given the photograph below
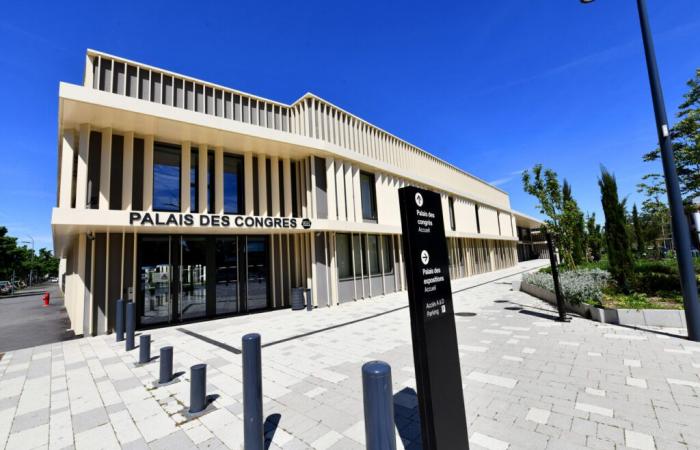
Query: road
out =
(24, 322)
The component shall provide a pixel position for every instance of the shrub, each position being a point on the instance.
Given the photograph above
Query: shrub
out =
(577, 286)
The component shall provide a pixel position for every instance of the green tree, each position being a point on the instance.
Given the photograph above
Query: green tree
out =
(637, 229)
(543, 184)
(594, 238)
(620, 257)
(573, 220)
(685, 135)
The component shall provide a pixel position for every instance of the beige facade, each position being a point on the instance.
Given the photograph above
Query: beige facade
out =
(151, 161)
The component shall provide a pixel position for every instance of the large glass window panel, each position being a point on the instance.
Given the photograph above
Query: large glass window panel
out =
(210, 182)
(194, 180)
(193, 277)
(233, 184)
(373, 254)
(166, 178)
(388, 248)
(257, 272)
(359, 257)
(226, 275)
(368, 196)
(154, 280)
(343, 255)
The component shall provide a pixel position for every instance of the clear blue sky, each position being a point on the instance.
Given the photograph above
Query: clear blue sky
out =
(493, 87)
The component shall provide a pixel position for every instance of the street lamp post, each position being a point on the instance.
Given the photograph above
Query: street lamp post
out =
(31, 270)
(679, 224)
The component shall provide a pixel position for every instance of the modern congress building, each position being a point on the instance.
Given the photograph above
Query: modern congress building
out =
(195, 200)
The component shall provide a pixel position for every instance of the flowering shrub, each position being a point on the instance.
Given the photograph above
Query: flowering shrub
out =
(583, 285)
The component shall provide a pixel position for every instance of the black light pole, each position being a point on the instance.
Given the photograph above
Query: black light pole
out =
(679, 224)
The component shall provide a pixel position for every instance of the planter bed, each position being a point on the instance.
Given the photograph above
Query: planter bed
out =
(671, 318)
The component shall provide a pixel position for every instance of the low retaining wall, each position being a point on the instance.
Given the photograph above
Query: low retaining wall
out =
(671, 318)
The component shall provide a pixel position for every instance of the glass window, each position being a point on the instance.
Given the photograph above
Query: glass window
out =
(210, 182)
(388, 249)
(359, 257)
(342, 248)
(368, 195)
(194, 180)
(451, 204)
(233, 181)
(373, 254)
(166, 178)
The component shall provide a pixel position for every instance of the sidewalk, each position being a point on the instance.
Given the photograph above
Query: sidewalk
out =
(529, 381)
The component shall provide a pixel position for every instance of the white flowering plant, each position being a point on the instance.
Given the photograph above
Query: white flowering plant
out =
(577, 286)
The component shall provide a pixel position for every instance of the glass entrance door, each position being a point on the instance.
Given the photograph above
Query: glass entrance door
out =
(227, 288)
(155, 278)
(193, 278)
(257, 274)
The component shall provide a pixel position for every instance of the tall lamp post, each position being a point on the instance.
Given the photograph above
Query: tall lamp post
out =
(679, 224)
(31, 270)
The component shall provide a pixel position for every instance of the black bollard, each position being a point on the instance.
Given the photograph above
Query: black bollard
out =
(198, 388)
(144, 348)
(379, 406)
(555, 276)
(119, 325)
(253, 432)
(166, 365)
(130, 325)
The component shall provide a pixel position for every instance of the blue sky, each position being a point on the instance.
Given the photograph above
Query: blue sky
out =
(493, 87)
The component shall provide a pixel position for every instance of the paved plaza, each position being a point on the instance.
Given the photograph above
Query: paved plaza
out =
(529, 381)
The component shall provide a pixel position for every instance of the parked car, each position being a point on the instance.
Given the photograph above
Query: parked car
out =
(53, 280)
(5, 287)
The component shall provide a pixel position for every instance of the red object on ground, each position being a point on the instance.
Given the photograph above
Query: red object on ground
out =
(46, 299)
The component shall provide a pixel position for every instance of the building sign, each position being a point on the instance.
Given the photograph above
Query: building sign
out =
(435, 354)
(215, 220)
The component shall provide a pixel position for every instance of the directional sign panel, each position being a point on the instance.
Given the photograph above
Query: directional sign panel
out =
(435, 354)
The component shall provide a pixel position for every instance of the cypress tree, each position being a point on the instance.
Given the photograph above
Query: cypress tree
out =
(638, 235)
(618, 242)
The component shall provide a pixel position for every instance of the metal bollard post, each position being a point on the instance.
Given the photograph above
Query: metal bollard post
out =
(379, 406)
(198, 387)
(119, 325)
(130, 325)
(166, 365)
(253, 432)
(144, 348)
(561, 307)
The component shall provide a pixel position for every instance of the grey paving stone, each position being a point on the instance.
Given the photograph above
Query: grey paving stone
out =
(89, 419)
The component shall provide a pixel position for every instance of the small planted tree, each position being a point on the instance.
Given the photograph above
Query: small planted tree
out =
(543, 184)
(594, 237)
(620, 257)
(637, 228)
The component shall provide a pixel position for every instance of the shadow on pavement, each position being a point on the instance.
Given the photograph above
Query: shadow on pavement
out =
(539, 314)
(269, 428)
(407, 418)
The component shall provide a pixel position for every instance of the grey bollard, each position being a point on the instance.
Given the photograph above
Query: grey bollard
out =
(130, 325)
(379, 406)
(144, 348)
(253, 432)
(166, 365)
(198, 388)
(119, 325)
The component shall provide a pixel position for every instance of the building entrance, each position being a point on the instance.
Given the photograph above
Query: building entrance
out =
(184, 277)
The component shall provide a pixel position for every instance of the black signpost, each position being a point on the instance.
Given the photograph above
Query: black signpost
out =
(435, 354)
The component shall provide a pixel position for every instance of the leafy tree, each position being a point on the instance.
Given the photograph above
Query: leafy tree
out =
(20, 261)
(619, 250)
(594, 237)
(637, 230)
(543, 184)
(573, 220)
(685, 135)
